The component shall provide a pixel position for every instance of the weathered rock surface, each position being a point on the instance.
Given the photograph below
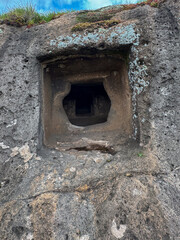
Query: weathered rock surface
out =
(132, 194)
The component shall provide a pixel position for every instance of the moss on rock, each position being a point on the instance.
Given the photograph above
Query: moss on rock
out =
(94, 25)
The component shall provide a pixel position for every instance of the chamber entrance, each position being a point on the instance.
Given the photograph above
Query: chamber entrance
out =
(87, 104)
(86, 97)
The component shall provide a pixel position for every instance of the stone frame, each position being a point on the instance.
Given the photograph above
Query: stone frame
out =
(108, 68)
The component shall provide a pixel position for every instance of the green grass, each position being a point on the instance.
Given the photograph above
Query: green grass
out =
(140, 154)
(28, 16)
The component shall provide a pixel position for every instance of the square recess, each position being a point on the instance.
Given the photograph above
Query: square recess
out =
(86, 102)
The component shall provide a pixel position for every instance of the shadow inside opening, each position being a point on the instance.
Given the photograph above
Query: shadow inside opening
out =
(87, 104)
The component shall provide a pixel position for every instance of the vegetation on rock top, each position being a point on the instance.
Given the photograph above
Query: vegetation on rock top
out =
(93, 25)
(107, 13)
(102, 17)
(27, 16)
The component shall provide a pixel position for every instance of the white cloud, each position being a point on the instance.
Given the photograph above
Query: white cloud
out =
(123, 1)
(69, 1)
(94, 4)
(51, 4)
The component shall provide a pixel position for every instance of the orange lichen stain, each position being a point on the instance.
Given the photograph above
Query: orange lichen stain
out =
(49, 183)
(67, 170)
(37, 182)
(44, 182)
(43, 215)
(129, 174)
(83, 188)
(6, 209)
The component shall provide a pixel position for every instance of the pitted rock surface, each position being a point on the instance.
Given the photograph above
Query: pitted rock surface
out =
(90, 192)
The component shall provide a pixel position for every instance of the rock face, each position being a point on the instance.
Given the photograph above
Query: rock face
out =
(91, 183)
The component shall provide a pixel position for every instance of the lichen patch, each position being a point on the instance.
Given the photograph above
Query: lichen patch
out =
(84, 237)
(3, 146)
(24, 151)
(118, 232)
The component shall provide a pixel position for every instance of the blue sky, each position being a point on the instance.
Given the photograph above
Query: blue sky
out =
(47, 5)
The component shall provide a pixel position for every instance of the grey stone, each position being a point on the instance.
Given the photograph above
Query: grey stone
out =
(91, 194)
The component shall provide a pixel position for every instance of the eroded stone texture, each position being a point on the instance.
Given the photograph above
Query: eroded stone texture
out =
(97, 189)
(86, 76)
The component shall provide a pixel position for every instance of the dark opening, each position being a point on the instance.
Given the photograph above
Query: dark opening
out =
(87, 104)
(83, 100)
